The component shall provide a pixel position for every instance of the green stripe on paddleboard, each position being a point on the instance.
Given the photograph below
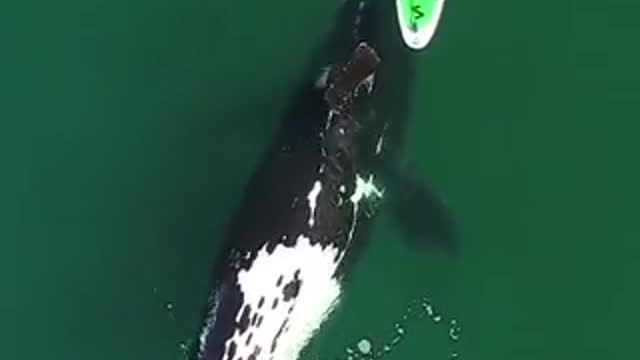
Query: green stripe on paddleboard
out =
(417, 13)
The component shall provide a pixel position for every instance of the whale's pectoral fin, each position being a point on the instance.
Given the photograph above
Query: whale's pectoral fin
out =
(421, 214)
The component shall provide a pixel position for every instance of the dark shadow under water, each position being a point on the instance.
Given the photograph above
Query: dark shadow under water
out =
(418, 211)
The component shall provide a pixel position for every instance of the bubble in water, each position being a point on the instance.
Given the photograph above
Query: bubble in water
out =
(395, 340)
(417, 309)
(428, 309)
(454, 330)
(185, 347)
(364, 345)
(399, 329)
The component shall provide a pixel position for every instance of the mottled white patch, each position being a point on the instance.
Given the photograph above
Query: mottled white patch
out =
(318, 294)
(312, 197)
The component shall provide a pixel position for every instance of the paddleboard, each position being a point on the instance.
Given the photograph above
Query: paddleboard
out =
(418, 20)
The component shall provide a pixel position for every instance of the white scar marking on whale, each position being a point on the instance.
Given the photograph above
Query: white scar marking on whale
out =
(313, 201)
(379, 144)
(364, 190)
(318, 295)
(330, 116)
(367, 83)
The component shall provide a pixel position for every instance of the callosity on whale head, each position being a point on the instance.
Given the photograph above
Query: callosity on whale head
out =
(279, 277)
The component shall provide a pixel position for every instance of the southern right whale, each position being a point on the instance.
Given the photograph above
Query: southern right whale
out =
(279, 273)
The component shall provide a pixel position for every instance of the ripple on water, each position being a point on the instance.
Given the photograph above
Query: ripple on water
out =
(415, 311)
(366, 349)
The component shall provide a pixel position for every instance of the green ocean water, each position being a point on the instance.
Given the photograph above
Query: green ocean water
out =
(128, 130)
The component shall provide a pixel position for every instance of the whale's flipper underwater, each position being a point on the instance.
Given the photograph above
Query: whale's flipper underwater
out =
(279, 273)
(419, 212)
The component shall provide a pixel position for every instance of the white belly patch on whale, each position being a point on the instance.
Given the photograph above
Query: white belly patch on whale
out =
(288, 293)
(290, 290)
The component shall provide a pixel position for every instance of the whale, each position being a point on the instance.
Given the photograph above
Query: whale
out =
(307, 209)
(279, 276)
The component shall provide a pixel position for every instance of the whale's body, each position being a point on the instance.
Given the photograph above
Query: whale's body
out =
(280, 274)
